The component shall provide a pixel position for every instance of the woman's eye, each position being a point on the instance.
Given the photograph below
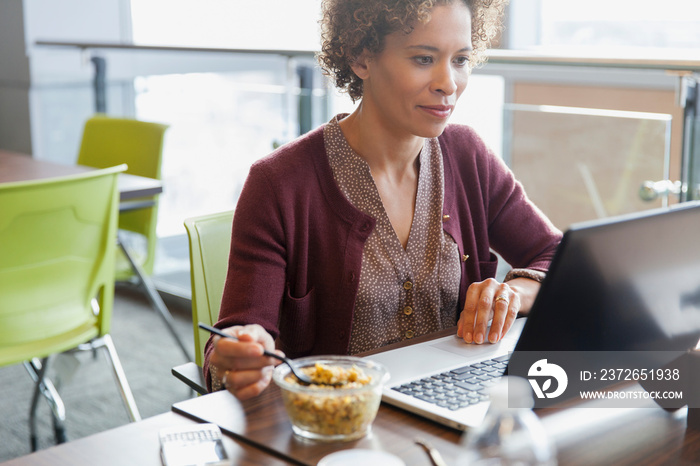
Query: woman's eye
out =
(424, 60)
(461, 61)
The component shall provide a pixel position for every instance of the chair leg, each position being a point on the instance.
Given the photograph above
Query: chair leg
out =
(59, 431)
(33, 438)
(120, 377)
(155, 299)
(42, 385)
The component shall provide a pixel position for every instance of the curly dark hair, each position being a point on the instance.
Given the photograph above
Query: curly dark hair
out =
(348, 27)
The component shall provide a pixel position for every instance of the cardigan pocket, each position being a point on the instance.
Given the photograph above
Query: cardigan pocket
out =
(487, 269)
(298, 323)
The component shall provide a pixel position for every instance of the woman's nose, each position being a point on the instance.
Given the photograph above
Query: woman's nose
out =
(444, 80)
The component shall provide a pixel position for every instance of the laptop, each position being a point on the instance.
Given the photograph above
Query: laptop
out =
(627, 283)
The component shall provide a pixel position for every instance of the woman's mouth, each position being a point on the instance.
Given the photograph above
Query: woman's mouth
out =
(438, 111)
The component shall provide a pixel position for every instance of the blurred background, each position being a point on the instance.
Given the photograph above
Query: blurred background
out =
(584, 100)
(592, 104)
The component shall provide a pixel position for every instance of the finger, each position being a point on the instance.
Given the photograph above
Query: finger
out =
(249, 384)
(234, 355)
(242, 378)
(513, 310)
(468, 315)
(229, 348)
(501, 305)
(255, 332)
(265, 359)
(484, 312)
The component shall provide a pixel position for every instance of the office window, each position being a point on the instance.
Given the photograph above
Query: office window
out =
(259, 24)
(224, 119)
(225, 110)
(224, 115)
(604, 27)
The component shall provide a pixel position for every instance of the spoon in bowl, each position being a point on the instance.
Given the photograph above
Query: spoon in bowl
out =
(303, 378)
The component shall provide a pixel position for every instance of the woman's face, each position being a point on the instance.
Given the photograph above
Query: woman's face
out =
(414, 83)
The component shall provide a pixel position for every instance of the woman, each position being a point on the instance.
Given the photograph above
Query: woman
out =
(378, 226)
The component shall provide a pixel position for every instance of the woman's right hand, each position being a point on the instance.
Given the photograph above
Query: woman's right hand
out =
(241, 365)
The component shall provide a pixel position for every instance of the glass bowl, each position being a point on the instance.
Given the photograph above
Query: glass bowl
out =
(332, 413)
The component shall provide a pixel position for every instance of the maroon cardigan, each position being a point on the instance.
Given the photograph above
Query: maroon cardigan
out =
(296, 248)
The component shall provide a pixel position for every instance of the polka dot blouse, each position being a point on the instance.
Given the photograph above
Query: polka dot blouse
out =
(402, 293)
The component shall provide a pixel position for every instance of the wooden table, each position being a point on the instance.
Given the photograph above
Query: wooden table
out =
(258, 432)
(591, 433)
(133, 444)
(635, 437)
(587, 435)
(20, 167)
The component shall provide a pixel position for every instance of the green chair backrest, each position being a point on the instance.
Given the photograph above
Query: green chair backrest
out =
(109, 141)
(57, 248)
(210, 241)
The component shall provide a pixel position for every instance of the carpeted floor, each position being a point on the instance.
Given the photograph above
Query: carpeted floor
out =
(147, 351)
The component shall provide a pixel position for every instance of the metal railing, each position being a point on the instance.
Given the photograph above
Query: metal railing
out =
(685, 69)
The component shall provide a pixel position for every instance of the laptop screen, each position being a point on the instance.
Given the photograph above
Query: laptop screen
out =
(622, 296)
(628, 283)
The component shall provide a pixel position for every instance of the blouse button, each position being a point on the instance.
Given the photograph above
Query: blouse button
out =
(407, 285)
(408, 310)
(409, 334)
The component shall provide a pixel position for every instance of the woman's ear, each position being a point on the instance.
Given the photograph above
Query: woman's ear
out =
(360, 66)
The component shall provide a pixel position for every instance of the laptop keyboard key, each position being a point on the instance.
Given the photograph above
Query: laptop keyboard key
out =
(458, 388)
(428, 398)
(469, 386)
(461, 370)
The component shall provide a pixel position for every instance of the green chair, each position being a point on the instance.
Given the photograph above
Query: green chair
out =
(109, 141)
(57, 249)
(210, 240)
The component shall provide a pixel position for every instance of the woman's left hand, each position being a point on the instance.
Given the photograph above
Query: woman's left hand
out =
(488, 300)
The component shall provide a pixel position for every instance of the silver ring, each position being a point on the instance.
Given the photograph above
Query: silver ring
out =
(224, 379)
(501, 297)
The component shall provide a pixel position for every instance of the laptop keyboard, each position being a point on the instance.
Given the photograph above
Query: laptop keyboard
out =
(458, 388)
